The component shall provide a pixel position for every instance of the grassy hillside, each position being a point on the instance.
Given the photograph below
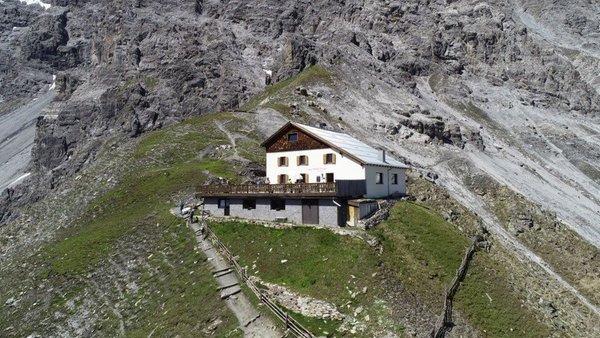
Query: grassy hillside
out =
(420, 249)
(276, 95)
(128, 265)
(424, 252)
(316, 263)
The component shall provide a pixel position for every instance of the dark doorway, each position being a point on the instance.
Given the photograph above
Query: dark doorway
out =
(310, 211)
(342, 212)
(329, 177)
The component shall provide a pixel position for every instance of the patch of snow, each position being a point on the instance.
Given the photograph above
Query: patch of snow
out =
(53, 85)
(268, 72)
(19, 179)
(38, 2)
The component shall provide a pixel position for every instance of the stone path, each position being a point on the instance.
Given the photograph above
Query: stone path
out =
(251, 321)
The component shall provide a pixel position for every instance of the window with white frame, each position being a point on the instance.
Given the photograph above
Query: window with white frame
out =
(378, 178)
(394, 178)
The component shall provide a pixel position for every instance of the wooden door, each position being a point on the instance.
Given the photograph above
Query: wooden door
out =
(352, 215)
(329, 177)
(310, 211)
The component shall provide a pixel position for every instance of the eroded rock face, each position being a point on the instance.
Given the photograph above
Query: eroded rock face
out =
(435, 128)
(453, 134)
(127, 68)
(47, 39)
(65, 85)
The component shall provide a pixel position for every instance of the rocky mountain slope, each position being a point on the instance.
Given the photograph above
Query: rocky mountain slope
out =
(496, 102)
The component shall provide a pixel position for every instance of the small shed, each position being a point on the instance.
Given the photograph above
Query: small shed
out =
(359, 209)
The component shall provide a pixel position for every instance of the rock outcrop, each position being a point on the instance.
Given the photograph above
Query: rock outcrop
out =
(144, 65)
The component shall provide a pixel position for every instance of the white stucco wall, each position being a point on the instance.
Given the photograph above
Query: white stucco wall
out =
(375, 190)
(343, 169)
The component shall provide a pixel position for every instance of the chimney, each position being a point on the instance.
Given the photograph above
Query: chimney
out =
(381, 155)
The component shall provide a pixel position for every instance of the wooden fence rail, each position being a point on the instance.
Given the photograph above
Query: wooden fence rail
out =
(444, 324)
(340, 188)
(290, 323)
(266, 189)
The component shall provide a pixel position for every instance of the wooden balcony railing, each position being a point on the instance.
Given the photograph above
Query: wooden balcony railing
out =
(308, 189)
(339, 188)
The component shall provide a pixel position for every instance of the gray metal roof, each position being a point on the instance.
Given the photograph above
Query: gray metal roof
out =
(348, 144)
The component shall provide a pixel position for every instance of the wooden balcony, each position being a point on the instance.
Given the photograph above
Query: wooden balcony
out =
(340, 188)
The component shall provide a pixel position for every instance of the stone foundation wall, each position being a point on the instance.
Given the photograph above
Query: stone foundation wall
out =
(328, 211)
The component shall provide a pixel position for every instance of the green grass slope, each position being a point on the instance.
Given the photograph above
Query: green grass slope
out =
(424, 252)
(420, 249)
(128, 258)
(317, 263)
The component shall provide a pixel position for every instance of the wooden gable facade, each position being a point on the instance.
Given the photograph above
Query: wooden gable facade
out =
(292, 138)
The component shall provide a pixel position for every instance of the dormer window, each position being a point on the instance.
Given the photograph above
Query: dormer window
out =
(292, 137)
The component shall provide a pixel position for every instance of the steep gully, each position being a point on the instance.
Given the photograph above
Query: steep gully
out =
(17, 131)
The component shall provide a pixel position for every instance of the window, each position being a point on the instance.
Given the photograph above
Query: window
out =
(329, 158)
(282, 161)
(394, 178)
(292, 137)
(378, 178)
(249, 203)
(282, 179)
(302, 160)
(222, 203)
(277, 204)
